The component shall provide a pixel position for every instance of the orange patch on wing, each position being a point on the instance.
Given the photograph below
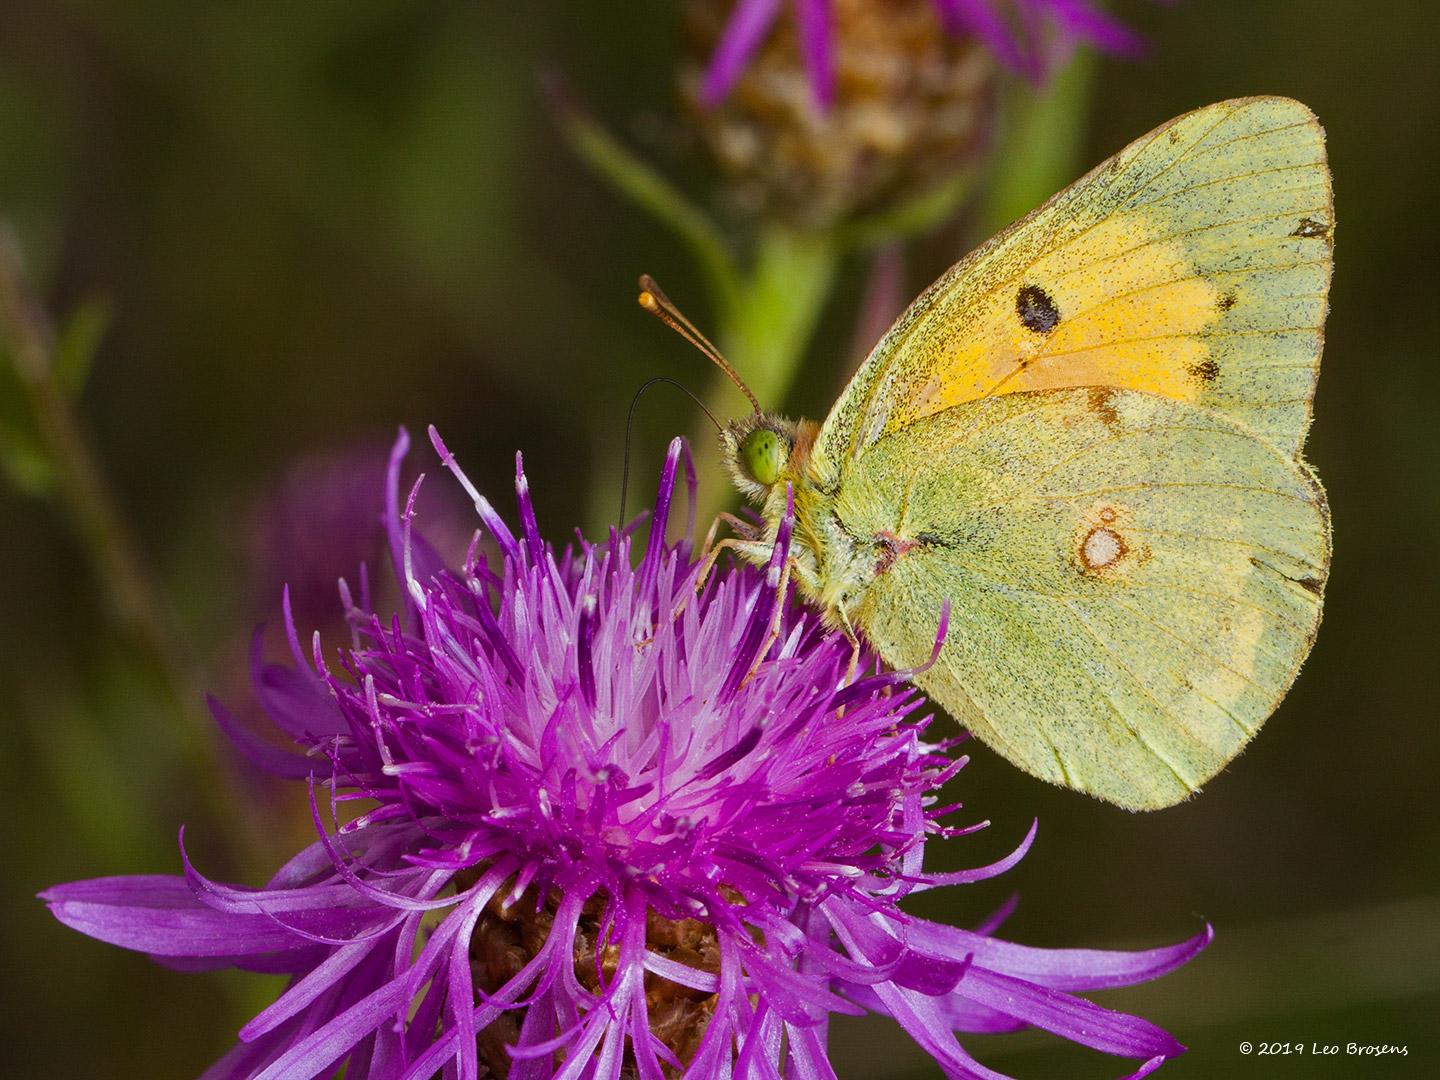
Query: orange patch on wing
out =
(1129, 312)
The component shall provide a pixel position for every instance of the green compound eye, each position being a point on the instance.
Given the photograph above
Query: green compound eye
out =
(762, 454)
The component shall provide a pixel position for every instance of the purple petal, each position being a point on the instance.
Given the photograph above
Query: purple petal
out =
(748, 25)
(313, 1055)
(304, 991)
(1079, 1020)
(1060, 969)
(958, 1013)
(813, 19)
(924, 1023)
(296, 701)
(394, 535)
(492, 521)
(1146, 1069)
(977, 17)
(246, 1059)
(983, 873)
(1085, 21)
(270, 758)
(161, 915)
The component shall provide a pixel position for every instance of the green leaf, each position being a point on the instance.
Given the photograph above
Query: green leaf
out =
(648, 189)
(22, 454)
(78, 342)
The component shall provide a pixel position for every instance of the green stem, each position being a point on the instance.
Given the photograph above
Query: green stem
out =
(649, 190)
(103, 536)
(765, 332)
(767, 313)
(27, 337)
(1039, 144)
(778, 307)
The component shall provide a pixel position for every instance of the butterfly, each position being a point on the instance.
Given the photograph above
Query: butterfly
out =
(1086, 438)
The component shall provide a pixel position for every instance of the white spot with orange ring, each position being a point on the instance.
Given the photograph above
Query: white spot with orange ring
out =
(1101, 548)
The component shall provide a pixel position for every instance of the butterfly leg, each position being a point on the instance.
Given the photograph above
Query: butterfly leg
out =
(777, 620)
(743, 530)
(710, 554)
(854, 639)
(745, 533)
(707, 564)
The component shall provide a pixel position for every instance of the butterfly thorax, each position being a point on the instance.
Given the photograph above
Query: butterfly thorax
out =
(770, 460)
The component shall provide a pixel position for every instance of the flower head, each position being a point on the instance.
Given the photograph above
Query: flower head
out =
(612, 826)
(1031, 37)
(907, 109)
(319, 519)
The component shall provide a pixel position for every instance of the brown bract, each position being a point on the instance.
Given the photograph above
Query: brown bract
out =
(912, 106)
(507, 937)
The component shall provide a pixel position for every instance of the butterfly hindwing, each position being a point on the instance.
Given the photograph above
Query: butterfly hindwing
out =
(1133, 588)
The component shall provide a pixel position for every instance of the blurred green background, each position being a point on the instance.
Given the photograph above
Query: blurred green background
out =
(312, 222)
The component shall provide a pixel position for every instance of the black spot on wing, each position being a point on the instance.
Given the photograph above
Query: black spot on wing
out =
(1206, 371)
(1037, 310)
(1226, 302)
(1309, 228)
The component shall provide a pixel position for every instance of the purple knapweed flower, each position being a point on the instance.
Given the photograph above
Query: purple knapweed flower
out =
(1032, 37)
(611, 826)
(320, 518)
(314, 522)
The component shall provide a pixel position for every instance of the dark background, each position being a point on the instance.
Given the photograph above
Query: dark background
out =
(313, 222)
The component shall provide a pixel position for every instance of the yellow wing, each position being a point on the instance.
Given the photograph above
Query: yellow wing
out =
(1194, 265)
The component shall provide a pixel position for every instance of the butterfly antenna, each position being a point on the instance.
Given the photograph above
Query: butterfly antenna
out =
(654, 300)
(630, 424)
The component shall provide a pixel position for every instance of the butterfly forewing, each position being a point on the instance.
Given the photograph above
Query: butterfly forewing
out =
(1194, 264)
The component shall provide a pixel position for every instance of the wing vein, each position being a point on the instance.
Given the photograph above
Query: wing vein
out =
(1230, 179)
(1165, 485)
(1164, 709)
(1169, 238)
(1190, 645)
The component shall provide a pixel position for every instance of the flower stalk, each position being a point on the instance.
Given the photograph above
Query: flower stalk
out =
(64, 468)
(27, 337)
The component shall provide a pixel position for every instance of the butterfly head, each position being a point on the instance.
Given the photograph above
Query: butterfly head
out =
(759, 451)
